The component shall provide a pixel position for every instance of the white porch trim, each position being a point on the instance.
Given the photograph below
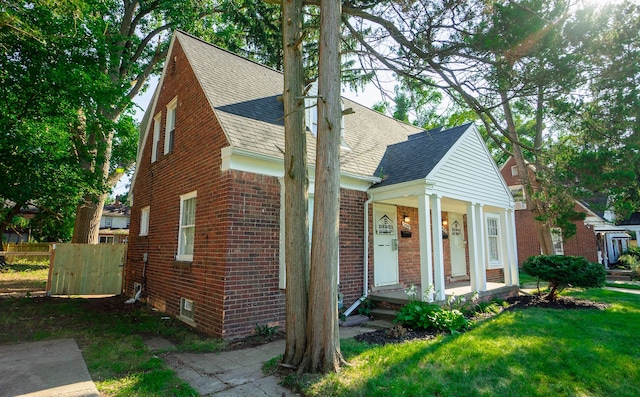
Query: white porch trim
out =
(438, 249)
(477, 251)
(426, 265)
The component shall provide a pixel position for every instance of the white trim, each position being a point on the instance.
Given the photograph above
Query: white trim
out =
(144, 221)
(499, 262)
(234, 158)
(157, 120)
(183, 199)
(170, 125)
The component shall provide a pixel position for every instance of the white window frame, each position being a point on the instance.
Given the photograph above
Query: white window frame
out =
(169, 132)
(144, 221)
(556, 239)
(108, 222)
(493, 236)
(514, 170)
(182, 254)
(156, 137)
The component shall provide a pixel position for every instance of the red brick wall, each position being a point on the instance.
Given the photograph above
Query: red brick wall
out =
(351, 244)
(234, 277)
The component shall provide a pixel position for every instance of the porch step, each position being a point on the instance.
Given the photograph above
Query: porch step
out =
(383, 314)
(618, 275)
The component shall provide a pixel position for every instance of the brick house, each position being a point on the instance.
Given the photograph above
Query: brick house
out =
(596, 238)
(206, 242)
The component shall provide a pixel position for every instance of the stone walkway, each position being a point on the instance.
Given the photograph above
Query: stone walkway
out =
(233, 373)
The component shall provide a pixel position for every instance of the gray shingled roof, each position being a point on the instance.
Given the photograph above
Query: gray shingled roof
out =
(415, 158)
(243, 95)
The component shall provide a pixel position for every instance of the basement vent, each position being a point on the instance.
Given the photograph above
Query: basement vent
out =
(186, 308)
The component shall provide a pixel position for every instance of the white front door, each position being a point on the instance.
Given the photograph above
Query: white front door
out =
(457, 245)
(385, 245)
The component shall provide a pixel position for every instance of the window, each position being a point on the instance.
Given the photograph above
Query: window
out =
(106, 239)
(170, 130)
(518, 196)
(187, 226)
(556, 238)
(156, 137)
(144, 221)
(493, 240)
(108, 221)
(186, 309)
(514, 170)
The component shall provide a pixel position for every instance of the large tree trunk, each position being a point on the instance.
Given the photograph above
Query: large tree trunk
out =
(323, 342)
(296, 186)
(96, 147)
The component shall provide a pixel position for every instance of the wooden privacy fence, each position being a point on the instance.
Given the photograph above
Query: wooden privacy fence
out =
(86, 269)
(11, 251)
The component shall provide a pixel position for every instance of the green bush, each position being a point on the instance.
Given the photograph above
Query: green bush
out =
(627, 261)
(417, 314)
(563, 271)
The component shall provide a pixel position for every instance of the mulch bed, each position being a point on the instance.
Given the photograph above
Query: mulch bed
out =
(398, 335)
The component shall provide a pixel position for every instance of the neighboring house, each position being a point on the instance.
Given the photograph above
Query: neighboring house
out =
(206, 243)
(114, 224)
(17, 234)
(596, 238)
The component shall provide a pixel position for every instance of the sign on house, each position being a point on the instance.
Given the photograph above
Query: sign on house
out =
(385, 225)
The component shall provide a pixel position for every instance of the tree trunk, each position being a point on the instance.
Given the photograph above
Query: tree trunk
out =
(87, 223)
(96, 159)
(323, 342)
(296, 183)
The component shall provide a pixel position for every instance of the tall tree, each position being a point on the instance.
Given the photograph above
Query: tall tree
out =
(296, 182)
(323, 344)
(507, 61)
(122, 43)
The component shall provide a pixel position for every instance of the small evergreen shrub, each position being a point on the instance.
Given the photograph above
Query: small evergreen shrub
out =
(563, 271)
(627, 261)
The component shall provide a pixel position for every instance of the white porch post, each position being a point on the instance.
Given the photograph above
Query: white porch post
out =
(510, 232)
(477, 250)
(426, 265)
(438, 254)
(506, 251)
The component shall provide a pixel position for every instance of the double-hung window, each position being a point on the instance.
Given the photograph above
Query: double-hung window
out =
(494, 249)
(186, 233)
(170, 131)
(556, 238)
(144, 221)
(156, 137)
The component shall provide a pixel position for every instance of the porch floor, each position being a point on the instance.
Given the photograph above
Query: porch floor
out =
(398, 296)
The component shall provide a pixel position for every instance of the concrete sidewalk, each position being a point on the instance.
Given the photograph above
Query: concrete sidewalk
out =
(46, 368)
(233, 373)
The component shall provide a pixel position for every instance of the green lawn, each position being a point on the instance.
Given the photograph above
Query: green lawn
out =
(531, 352)
(111, 336)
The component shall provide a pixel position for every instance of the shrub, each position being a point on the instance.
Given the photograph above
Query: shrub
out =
(425, 315)
(417, 314)
(627, 261)
(564, 271)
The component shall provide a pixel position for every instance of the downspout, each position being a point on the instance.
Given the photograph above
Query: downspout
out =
(365, 288)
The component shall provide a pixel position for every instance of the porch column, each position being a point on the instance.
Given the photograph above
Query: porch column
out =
(477, 251)
(426, 265)
(438, 252)
(505, 236)
(510, 232)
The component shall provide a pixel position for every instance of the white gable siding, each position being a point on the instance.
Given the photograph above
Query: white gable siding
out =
(468, 172)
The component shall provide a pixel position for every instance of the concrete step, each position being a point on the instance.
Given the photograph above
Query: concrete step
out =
(618, 278)
(383, 314)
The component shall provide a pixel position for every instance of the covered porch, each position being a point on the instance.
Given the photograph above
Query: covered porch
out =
(399, 297)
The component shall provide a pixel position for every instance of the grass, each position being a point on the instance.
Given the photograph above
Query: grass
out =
(110, 334)
(532, 352)
(24, 276)
(623, 285)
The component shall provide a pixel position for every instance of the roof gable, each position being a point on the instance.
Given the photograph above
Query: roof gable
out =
(243, 95)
